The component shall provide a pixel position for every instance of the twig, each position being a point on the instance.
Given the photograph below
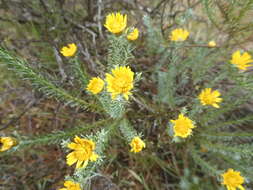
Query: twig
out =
(99, 18)
(60, 64)
(77, 25)
(86, 53)
(157, 6)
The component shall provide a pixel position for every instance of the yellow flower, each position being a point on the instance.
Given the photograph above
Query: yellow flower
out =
(179, 34)
(182, 126)
(120, 82)
(95, 85)
(6, 143)
(209, 97)
(133, 35)
(116, 22)
(137, 145)
(233, 180)
(212, 44)
(70, 185)
(69, 50)
(83, 152)
(241, 60)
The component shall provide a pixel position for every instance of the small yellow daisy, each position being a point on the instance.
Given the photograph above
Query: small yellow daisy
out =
(182, 126)
(179, 35)
(241, 60)
(6, 143)
(209, 97)
(120, 82)
(133, 35)
(95, 85)
(137, 145)
(83, 152)
(116, 22)
(233, 180)
(70, 185)
(69, 50)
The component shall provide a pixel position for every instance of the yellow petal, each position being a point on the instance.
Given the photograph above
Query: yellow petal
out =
(71, 159)
(79, 164)
(72, 145)
(94, 157)
(216, 105)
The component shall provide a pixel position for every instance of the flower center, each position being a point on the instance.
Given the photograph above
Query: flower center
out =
(137, 145)
(232, 181)
(181, 128)
(209, 100)
(122, 85)
(83, 154)
(116, 26)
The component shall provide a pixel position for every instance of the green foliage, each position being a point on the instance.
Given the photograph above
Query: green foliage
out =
(230, 14)
(171, 77)
(120, 54)
(21, 68)
(155, 41)
(127, 130)
(115, 108)
(55, 137)
(120, 51)
(80, 73)
(185, 72)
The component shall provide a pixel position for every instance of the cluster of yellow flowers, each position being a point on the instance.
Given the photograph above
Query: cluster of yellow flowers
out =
(117, 23)
(240, 60)
(83, 152)
(183, 125)
(119, 83)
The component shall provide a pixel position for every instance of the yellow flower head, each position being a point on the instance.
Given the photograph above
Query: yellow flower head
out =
(6, 143)
(116, 22)
(212, 44)
(137, 145)
(209, 97)
(120, 82)
(95, 85)
(179, 34)
(182, 126)
(133, 35)
(69, 50)
(233, 180)
(70, 185)
(241, 60)
(83, 152)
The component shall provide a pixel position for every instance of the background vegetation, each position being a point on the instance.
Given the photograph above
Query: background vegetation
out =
(172, 77)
